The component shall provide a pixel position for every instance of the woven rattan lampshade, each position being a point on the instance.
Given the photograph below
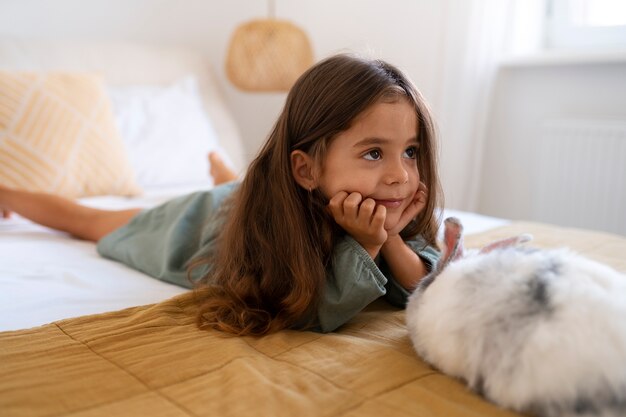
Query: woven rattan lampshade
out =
(267, 55)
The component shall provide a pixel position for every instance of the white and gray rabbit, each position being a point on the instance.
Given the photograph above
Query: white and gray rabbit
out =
(536, 331)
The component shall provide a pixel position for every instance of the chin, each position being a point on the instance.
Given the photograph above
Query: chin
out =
(390, 223)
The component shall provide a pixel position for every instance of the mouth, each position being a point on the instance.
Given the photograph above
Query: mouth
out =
(390, 203)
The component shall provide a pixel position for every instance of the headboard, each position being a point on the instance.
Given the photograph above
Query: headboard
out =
(122, 63)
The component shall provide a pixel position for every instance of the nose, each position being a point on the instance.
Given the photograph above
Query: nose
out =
(396, 173)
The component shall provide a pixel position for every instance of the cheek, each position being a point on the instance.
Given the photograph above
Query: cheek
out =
(350, 187)
(414, 174)
(332, 184)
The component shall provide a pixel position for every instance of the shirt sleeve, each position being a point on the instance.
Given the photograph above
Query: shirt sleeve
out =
(355, 280)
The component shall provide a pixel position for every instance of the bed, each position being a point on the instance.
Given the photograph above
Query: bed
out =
(84, 336)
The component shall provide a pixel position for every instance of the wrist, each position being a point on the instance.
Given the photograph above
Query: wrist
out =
(371, 245)
(393, 241)
(393, 245)
(372, 250)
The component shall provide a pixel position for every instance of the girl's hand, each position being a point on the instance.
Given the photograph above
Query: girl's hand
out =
(412, 210)
(362, 219)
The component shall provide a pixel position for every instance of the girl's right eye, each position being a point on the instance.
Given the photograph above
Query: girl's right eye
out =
(373, 155)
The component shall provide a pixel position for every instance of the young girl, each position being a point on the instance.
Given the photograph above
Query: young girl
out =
(337, 210)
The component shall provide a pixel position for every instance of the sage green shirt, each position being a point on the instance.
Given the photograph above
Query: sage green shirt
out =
(161, 241)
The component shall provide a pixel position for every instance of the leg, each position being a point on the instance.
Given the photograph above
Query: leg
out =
(220, 172)
(63, 214)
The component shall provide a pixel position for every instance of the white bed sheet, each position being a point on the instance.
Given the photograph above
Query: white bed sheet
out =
(47, 276)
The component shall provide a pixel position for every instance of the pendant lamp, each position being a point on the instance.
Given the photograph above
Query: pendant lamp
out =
(267, 55)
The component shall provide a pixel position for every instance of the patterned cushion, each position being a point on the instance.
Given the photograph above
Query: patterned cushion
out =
(57, 134)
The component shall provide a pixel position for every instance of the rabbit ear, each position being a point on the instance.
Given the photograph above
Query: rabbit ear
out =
(452, 240)
(508, 242)
(453, 249)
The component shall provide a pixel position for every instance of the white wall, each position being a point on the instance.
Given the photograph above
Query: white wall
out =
(413, 34)
(528, 96)
(404, 32)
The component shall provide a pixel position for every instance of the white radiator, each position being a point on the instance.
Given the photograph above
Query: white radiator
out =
(580, 178)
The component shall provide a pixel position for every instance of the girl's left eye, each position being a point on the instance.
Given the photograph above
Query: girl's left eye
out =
(373, 155)
(410, 152)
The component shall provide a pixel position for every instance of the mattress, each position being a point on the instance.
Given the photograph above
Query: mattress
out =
(46, 275)
(153, 360)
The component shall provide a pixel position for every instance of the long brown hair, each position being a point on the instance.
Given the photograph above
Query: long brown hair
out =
(269, 268)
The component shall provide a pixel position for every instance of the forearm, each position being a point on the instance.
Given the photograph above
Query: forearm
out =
(63, 214)
(45, 209)
(405, 265)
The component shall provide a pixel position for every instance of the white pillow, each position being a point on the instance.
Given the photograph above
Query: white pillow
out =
(166, 132)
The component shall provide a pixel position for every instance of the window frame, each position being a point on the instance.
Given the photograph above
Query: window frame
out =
(562, 33)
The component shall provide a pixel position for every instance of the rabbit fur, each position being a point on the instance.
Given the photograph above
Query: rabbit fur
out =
(537, 331)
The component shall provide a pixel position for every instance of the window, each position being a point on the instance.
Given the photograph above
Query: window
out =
(586, 23)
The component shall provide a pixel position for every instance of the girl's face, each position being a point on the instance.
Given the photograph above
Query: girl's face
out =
(376, 158)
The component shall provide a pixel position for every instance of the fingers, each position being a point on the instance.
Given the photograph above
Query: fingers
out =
(344, 205)
(419, 201)
(412, 210)
(352, 205)
(378, 220)
(352, 208)
(361, 218)
(335, 205)
(422, 194)
(417, 205)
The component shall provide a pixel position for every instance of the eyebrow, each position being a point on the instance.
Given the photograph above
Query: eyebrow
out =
(380, 141)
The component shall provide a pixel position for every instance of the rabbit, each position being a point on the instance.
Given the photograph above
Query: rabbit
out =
(537, 331)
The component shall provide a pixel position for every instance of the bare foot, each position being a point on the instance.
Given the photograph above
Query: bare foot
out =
(5, 213)
(220, 172)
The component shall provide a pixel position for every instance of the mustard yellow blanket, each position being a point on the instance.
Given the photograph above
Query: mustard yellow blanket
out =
(153, 361)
